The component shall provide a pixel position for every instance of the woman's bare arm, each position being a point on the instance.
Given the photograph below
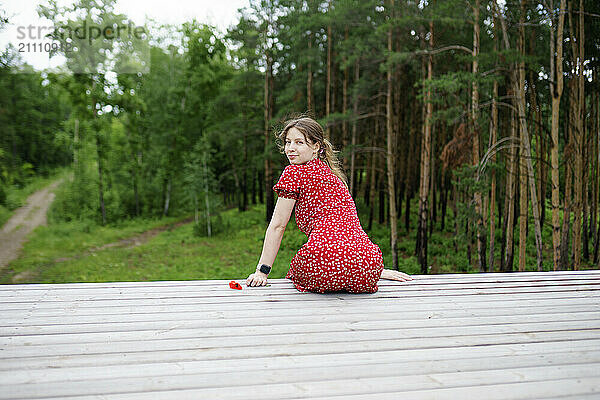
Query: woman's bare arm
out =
(273, 236)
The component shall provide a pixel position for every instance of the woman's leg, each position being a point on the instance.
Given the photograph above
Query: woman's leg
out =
(395, 275)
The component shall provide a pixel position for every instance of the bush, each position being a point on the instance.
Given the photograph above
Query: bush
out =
(76, 200)
(218, 225)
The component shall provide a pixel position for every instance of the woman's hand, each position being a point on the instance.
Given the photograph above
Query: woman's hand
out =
(257, 279)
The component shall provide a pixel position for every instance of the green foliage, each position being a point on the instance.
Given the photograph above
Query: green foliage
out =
(76, 199)
(468, 182)
(217, 226)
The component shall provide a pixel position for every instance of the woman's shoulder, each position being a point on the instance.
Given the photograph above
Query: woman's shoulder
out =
(298, 168)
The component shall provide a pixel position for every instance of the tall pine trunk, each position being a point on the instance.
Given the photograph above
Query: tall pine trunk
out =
(345, 102)
(577, 38)
(510, 196)
(99, 153)
(556, 89)
(596, 168)
(493, 138)
(421, 245)
(328, 82)
(481, 258)
(270, 200)
(354, 130)
(391, 153)
(309, 77)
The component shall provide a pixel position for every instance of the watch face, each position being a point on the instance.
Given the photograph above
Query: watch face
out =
(265, 269)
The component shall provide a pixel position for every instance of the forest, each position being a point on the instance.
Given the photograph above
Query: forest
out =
(475, 119)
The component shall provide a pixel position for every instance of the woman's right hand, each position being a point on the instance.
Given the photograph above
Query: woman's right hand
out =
(257, 279)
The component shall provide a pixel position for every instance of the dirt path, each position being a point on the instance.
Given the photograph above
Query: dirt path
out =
(33, 214)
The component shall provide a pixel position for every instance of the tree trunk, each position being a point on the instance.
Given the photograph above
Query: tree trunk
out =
(309, 79)
(523, 206)
(510, 195)
(100, 177)
(270, 200)
(432, 191)
(391, 154)
(206, 195)
(411, 164)
(578, 135)
(566, 228)
(425, 157)
(167, 196)
(99, 153)
(373, 184)
(556, 88)
(481, 258)
(328, 82)
(521, 174)
(354, 127)
(345, 102)
(596, 153)
(493, 138)
(76, 144)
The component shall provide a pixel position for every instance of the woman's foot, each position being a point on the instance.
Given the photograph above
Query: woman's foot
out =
(395, 275)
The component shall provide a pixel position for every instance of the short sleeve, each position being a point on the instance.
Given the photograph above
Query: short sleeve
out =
(289, 183)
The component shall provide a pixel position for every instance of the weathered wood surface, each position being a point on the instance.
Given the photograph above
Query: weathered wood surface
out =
(491, 336)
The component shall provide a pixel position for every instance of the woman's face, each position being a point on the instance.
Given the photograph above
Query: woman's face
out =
(297, 149)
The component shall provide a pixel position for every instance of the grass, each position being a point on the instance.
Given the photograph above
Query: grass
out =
(67, 240)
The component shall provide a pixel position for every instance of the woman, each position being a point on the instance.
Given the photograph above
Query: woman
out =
(338, 255)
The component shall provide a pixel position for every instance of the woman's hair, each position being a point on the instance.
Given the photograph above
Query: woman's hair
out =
(313, 132)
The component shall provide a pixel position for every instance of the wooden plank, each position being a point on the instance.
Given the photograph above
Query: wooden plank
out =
(357, 324)
(463, 369)
(584, 388)
(260, 292)
(384, 286)
(285, 360)
(581, 396)
(329, 304)
(188, 312)
(577, 378)
(239, 318)
(313, 343)
(252, 299)
(78, 332)
(332, 367)
(422, 279)
(314, 300)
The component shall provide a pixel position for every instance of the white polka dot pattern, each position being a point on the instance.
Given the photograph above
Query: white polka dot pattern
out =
(338, 255)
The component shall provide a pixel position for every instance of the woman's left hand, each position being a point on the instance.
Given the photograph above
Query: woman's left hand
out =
(257, 279)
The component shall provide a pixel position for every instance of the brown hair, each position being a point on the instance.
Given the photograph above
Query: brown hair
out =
(313, 132)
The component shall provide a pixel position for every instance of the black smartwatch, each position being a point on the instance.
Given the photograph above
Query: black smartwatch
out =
(265, 269)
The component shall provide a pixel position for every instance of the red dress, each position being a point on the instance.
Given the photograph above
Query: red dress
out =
(338, 255)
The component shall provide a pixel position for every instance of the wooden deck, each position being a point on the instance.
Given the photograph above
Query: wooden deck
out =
(459, 336)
